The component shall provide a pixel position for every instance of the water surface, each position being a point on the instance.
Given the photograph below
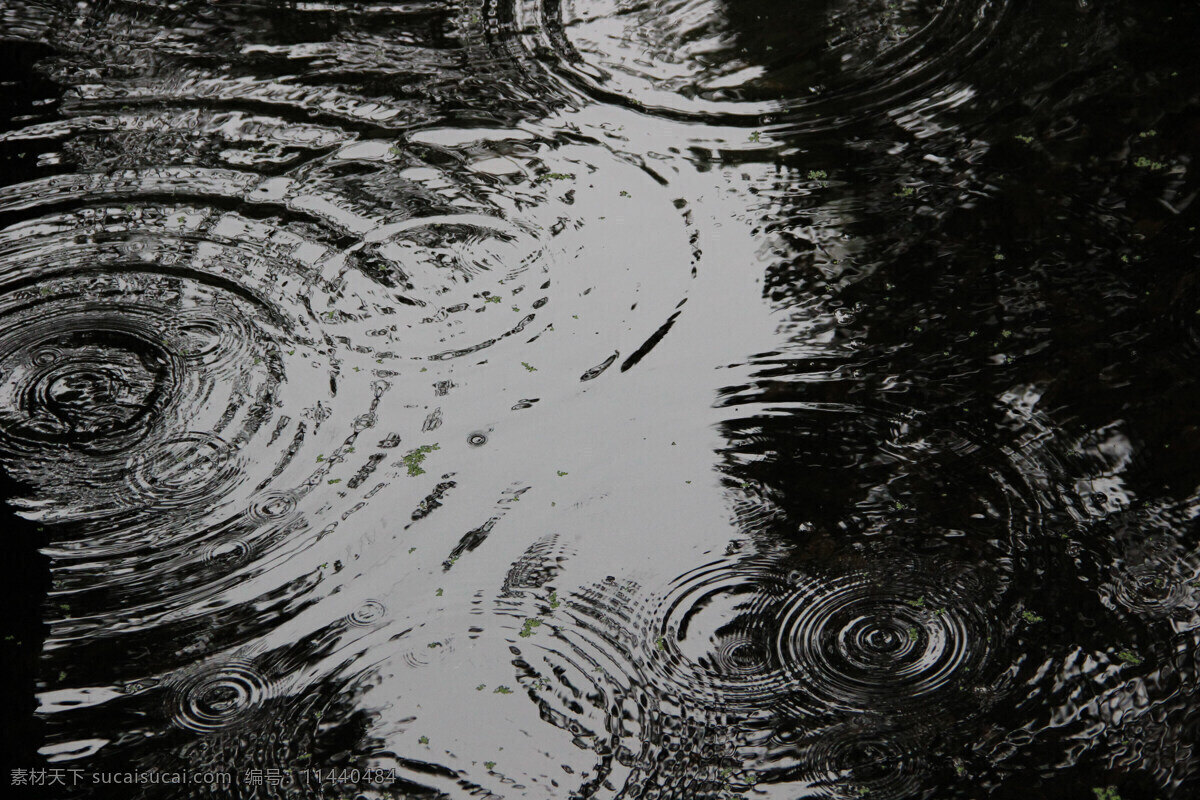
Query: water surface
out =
(606, 399)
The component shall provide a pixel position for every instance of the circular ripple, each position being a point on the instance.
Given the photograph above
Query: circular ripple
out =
(217, 697)
(741, 655)
(1148, 589)
(97, 389)
(228, 554)
(369, 613)
(94, 383)
(702, 58)
(477, 439)
(182, 469)
(457, 266)
(142, 363)
(713, 637)
(854, 643)
(740, 637)
(854, 760)
(436, 650)
(596, 683)
(273, 505)
(213, 336)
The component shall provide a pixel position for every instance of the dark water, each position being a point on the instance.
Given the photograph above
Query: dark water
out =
(656, 400)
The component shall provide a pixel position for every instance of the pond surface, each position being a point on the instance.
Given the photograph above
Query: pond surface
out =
(695, 399)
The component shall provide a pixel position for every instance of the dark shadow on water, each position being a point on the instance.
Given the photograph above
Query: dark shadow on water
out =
(26, 581)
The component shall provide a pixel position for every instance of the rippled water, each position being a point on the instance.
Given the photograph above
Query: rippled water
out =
(603, 398)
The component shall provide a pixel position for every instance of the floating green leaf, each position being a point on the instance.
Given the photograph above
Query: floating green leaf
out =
(1129, 657)
(413, 459)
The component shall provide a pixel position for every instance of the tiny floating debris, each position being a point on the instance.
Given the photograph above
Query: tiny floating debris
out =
(412, 459)
(1129, 657)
